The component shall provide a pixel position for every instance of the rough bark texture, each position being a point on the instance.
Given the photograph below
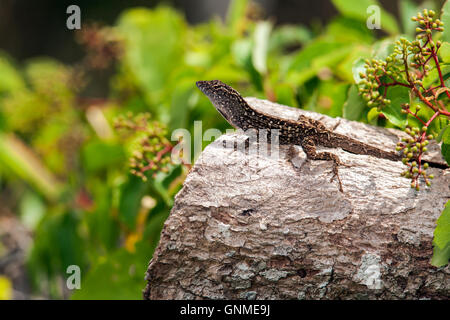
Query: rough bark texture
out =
(249, 226)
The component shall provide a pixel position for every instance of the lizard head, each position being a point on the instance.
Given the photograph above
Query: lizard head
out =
(225, 99)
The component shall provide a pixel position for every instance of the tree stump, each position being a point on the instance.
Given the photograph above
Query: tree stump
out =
(248, 226)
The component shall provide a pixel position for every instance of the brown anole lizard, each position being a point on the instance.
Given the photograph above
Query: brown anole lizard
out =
(306, 132)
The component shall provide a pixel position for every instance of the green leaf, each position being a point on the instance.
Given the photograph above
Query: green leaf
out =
(161, 183)
(98, 155)
(180, 104)
(441, 239)
(359, 10)
(242, 54)
(308, 62)
(314, 50)
(32, 210)
(425, 113)
(131, 193)
(348, 30)
(393, 112)
(60, 245)
(442, 231)
(260, 46)
(445, 17)
(408, 9)
(383, 48)
(235, 15)
(21, 161)
(10, 79)
(331, 98)
(440, 256)
(358, 67)
(102, 225)
(118, 276)
(288, 35)
(354, 106)
(444, 52)
(285, 95)
(441, 134)
(372, 116)
(154, 41)
(433, 75)
(344, 68)
(445, 149)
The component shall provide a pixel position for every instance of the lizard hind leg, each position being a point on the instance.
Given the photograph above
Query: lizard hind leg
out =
(309, 147)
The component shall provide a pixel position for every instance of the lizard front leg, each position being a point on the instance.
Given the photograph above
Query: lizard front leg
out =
(309, 147)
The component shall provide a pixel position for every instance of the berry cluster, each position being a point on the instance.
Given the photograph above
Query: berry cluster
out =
(371, 84)
(407, 66)
(151, 149)
(427, 23)
(413, 149)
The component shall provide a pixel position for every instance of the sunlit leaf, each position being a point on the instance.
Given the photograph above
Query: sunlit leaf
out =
(441, 239)
(236, 14)
(99, 155)
(154, 42)
(32, 210)
(288, 35)
(408, 9)
(355, 105)
(444, 52)
(21, 161)
(398, 96)
(260, 47)
(118, 276)
(132, 192)
(445, 148)
(445, 18)
(360, 10)
(11, 79)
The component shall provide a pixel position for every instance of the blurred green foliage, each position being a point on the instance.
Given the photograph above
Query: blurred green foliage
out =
(67, 170)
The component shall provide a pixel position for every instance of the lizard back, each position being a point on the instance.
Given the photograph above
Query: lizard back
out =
(232, 106)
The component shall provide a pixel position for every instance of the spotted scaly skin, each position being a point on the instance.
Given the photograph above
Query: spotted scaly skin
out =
(306, 132)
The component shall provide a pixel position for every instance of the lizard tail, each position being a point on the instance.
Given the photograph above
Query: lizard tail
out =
(357, 147)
